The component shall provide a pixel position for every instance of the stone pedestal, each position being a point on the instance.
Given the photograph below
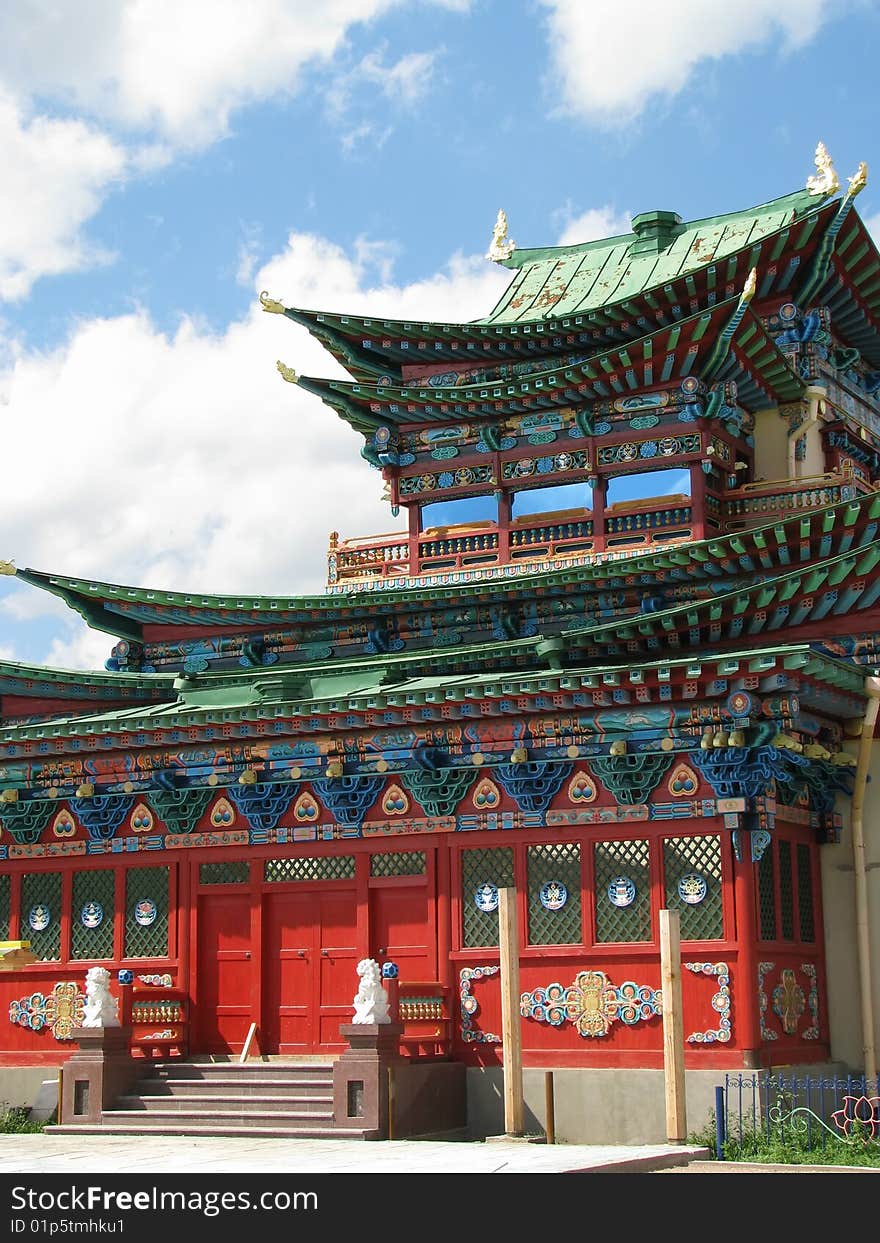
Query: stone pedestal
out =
(101, 1069)
(360, 1075)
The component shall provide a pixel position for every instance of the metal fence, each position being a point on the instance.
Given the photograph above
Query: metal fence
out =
(806, 1112)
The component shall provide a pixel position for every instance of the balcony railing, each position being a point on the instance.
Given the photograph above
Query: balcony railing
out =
(758, 502)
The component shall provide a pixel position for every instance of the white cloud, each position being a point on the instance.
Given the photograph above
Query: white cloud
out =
(589, 226)
(55, 174)
(186, 462)
(612, 56)
(79, 649)
(176, 69)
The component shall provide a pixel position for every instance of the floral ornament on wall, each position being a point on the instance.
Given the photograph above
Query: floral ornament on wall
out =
(470, 1006)
(789, 1002)
(592, 1003)
(59, 1011)
(720, 1003)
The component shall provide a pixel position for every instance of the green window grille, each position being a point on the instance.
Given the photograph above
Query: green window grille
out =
(554, 871)
(224, 873)
(310, 867)
(786, 892)
(480, 868)
(42, 889)
(93, 898)
(627, 860)
(4, 907)
(146, 888)
(766, 897)
(399, 863)
(806, 914)
(689, 864)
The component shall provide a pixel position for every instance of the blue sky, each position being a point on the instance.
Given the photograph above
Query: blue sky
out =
(165, 162)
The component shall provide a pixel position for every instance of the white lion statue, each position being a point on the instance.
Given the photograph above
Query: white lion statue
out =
(101, 1009)
(371, 1000)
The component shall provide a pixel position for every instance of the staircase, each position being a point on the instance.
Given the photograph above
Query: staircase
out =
(272, 1099)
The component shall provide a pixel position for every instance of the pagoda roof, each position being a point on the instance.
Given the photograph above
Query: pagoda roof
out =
(688, 347)
(593, 294)
(852, 288)
(268, 705)
(807, 536)
(47, 682)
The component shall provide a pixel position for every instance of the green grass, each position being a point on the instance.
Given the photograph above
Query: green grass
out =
(794, 1145)
(15, 1121)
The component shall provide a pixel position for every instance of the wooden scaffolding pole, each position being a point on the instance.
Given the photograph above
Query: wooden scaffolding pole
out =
(673, 1026)
(508, 942)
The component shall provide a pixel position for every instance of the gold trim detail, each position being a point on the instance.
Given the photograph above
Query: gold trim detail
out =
(825, 181)
(271, 304)
(287, 373)
(501, 246)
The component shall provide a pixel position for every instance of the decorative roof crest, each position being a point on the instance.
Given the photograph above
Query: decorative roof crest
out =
(501, 247)
(750, 286)
(858, 181)
(825, 181)
(270, 304)
(7, 567)
(287, 373)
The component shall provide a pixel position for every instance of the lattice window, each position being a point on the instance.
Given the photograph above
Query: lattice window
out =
(554, 876)
(41, 897)
(91, 916)
(766, 897)
(224, 873)
(786, 892)
(478, 869)
(399, 863)
(692, 866)
(310, 867)
(4, 906)
(146, 913)
(806, 914)
(619, 862)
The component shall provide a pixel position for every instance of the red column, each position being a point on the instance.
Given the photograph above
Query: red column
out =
(698, 502)
(414, 514)
(503, 521)
(747, 1020)
(444, 918)
(599, 515)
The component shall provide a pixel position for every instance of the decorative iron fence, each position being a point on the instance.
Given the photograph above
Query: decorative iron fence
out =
(757, 1113)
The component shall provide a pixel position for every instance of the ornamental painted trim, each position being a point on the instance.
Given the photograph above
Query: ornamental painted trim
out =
(592, 1003)
(763, 1002)
(471, 1007)
(812, 1032)
(788, 1001)
(59, 1011)
(720, 1003)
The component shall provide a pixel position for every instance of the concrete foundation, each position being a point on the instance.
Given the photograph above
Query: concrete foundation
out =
(19, 1085)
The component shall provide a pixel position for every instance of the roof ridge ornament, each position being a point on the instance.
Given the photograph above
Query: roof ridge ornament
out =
(825, 181)
(8, 567)
(501, 247)
(858, 181)
(750, 286)
(271, 304)
(287, 373)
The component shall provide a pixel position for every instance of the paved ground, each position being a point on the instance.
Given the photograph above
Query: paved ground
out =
(761, 1167)
(119, 1154)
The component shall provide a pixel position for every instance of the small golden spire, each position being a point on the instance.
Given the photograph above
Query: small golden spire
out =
(270, 304)
(750, 286)
(858, 181)
(501, 246)
(287, 373)
(7, 567)
(825, 181)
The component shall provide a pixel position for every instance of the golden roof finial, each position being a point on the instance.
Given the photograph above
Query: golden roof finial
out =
(858, 181)
(270, 304)
(287, 373)
(501, 246)
(7, 567)
(750, 286)
(825, 181)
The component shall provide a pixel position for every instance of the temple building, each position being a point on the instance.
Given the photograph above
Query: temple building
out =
(620, 655)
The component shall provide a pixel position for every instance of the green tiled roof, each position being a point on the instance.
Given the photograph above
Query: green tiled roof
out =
(573, 280)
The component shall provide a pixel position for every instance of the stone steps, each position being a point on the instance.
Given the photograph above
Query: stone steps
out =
(218, 1129)
(217, 1105)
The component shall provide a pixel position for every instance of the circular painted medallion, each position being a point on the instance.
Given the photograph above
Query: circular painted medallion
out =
(92, 915)
(486, 897)
(145, 912)
(692, 888)
(622, 891)
(553, 895)
(40, 917)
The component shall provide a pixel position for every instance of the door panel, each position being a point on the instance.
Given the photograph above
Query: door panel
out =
(289, 945)
(225, 972)
(399, 930)
(337, 965)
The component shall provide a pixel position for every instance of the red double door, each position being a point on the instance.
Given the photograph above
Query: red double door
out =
(289, 962)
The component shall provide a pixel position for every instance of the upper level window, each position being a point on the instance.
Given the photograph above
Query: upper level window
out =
(647, 485)
(457, 512)
(551, 500)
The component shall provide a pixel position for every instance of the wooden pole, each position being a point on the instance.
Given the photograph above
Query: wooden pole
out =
(673, 1028)
(508, 942)
(549, 1108)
